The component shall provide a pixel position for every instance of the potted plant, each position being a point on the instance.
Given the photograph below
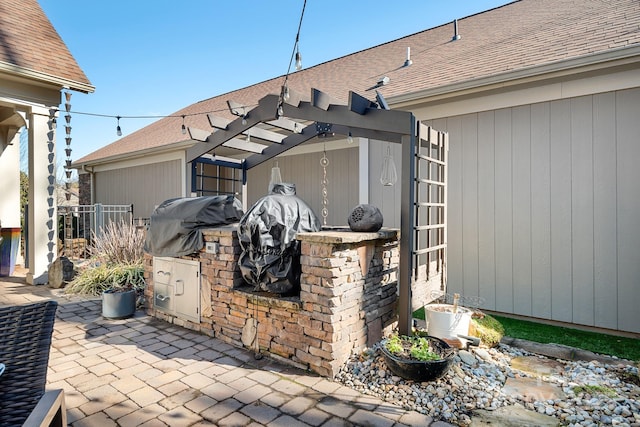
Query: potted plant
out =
(417, 358)
(115, 271)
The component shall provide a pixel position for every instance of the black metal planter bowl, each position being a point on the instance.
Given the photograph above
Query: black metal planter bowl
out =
(118, 304)
(420, 370)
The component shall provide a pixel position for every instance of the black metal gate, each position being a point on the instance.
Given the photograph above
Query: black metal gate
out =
(78, 224)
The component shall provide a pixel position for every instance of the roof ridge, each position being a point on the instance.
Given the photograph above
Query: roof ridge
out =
(494, 42)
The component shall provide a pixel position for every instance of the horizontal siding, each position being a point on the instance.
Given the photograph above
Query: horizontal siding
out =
(544, 213)
(144, 186)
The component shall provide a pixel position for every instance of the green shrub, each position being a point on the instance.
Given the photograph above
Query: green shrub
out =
(98, 278)
(488, 329)
(118, 243)
(116, 262)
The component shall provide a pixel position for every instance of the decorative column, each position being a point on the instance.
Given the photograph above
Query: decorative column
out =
(42, 240)
(10, 167)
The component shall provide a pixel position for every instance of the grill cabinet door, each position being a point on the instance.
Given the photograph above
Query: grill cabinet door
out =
(185, 278)
(177, 287)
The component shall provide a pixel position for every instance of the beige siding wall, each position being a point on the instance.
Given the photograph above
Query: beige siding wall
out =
(305, 172)
(144, 186)
(543, 209)
(385, 198)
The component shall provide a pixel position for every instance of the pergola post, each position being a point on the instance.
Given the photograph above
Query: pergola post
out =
(407, 201)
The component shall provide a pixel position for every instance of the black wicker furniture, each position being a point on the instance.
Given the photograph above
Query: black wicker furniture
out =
(25, 341)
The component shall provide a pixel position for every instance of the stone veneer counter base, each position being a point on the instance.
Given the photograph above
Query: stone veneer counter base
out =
(348, 297)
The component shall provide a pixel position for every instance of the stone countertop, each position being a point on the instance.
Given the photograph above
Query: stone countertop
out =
(337, 235)
(332, 235)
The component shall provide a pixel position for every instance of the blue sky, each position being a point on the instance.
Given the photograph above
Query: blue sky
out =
(151, 58)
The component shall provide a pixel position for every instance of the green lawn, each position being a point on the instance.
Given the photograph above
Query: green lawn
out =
(625, 348)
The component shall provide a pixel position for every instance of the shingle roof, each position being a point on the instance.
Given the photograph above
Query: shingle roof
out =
(515, 36)
(29, 41)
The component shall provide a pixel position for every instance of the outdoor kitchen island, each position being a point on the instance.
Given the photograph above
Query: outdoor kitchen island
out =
(347, 300)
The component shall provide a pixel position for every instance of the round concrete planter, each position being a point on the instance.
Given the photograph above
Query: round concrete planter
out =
(118, 304)
(443, 323)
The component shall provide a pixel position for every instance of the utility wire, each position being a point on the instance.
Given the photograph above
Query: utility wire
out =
(119, 116)
(293, 54)
(115, 116)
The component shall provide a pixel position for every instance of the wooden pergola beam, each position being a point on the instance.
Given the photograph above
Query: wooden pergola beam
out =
(286, 124)
(288, 143)
(236, 108)
(322, 100)
(359, 104)
(266, 110)
(366, 133)
(237, 143)
(255, 132)
(198, 134)
(391, 121)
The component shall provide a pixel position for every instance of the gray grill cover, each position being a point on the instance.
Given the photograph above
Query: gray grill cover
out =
(175, 226)
(270, 257)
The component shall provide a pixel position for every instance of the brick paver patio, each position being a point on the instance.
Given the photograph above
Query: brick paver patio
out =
(146, 372)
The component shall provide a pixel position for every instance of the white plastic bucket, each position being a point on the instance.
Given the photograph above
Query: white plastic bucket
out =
(443, 323)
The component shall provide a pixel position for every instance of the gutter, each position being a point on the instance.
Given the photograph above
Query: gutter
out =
(590, 62)
(47, 78)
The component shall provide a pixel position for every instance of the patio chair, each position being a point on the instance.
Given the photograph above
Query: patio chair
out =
(25, 340)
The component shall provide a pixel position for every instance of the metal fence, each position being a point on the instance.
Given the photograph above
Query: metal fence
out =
(77, 225)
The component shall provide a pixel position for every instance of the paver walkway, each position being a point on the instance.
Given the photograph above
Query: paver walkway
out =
(146, 372)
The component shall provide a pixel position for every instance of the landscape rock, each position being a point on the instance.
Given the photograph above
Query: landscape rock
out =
(483, 354)
(511, 416)
(532, 389)
(537, 366)
(535, 390)
(60, 272)
(467, 357)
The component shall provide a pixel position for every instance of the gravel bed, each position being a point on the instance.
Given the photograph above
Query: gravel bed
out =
(595, 393)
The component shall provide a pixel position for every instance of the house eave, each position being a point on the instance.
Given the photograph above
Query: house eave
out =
(80, 165)
(586, 63)
(39, 76)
